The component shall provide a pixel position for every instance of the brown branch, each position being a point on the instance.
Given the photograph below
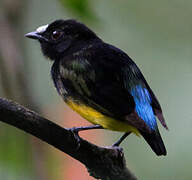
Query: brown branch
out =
(105, 163)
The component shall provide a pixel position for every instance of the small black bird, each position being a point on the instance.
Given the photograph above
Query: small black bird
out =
(100, 82)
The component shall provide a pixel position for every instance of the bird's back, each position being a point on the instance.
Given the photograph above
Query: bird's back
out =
(105, 86)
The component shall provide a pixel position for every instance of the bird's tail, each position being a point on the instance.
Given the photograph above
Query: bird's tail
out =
(155, 141)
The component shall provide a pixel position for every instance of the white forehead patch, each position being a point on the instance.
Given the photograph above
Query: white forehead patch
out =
(42, 29)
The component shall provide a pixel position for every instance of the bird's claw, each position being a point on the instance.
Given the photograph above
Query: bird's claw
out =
(115, 145)
(75, 132)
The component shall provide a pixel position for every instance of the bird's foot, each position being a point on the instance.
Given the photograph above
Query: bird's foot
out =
(120, 140)
(76, 130)
(116, 144)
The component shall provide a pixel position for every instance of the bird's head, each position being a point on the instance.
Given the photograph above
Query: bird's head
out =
(61, 36)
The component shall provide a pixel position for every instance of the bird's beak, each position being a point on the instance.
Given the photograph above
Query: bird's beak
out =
(34, 35)
(38, 34)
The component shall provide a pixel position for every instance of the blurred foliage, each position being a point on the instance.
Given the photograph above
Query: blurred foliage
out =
(81, 8)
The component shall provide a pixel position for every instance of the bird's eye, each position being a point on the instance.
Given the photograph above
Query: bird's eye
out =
(56, 35)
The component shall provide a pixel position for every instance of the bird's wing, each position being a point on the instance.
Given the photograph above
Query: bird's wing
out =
(114, 85)
(131, 78)
(156, 106)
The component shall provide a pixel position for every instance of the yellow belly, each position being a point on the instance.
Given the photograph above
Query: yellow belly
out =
(96, 117)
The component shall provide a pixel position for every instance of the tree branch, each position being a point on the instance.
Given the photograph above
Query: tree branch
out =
(105, 163)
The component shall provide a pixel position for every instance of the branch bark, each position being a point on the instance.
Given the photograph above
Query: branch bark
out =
(106, 163)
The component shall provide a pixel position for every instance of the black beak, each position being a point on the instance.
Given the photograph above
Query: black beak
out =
(34, 35)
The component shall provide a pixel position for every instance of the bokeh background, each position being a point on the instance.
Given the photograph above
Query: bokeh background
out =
(156, 34)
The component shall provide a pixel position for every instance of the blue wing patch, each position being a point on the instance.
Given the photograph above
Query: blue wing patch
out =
(143, 105)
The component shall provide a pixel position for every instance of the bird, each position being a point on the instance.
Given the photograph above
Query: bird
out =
(100, 82)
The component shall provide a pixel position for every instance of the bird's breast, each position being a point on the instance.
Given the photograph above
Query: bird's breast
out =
(97, 117)
(75, 82)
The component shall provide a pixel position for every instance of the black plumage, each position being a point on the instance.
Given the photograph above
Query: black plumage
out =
(90, 73)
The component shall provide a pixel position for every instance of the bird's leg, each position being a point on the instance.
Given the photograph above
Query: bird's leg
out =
(121, 139)
(83, 128)
(76, 130)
